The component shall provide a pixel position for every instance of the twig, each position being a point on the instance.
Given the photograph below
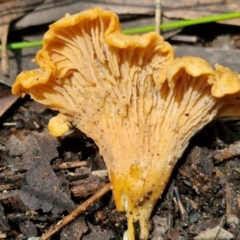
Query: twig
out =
(158, 16)
(180, 205)
(72, 164)
(3, 235)
(5, 61)
(70, 217)
(232, 151)
(100, 173)
(219, 227)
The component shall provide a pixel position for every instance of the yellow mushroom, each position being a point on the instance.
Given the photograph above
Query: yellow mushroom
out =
(127, 93)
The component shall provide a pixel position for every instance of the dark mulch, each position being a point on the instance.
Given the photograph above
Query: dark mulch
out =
(42, 179)
(38, 188)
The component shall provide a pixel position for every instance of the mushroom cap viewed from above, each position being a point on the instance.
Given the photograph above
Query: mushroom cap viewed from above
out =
(127, 93)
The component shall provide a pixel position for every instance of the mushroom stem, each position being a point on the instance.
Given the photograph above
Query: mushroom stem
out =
(129, 234)
(137, 190)
(138, 210)
(142, 231)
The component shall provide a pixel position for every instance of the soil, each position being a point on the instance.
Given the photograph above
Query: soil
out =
(202, 194)
(42, 179)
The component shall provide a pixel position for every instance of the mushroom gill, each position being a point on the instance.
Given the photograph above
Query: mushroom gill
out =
(125, 92)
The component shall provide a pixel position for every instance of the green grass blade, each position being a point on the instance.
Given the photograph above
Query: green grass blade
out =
(19, 45)
(183, 23)
(143, 29)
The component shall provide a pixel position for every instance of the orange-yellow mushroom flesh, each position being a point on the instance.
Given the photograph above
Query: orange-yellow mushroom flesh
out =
(127, 93)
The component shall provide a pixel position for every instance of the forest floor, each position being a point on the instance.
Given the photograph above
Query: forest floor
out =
(43, 179)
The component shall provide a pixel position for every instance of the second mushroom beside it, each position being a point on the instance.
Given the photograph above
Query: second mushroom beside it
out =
(128, 93)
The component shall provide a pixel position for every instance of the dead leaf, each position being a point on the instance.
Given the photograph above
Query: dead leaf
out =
(7, 99)
(216, 233)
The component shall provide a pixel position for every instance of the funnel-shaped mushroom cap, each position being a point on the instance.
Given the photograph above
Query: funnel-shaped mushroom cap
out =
(226, 85)
(114, 88)
(106, 84)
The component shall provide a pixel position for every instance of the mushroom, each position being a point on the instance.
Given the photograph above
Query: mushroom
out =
(127, 93)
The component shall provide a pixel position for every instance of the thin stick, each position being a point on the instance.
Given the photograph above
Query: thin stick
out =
(158, 16)
(3, 236)
(5, 61)
(73, 164)
(220, 227)
(180, 205)
(73, 215)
